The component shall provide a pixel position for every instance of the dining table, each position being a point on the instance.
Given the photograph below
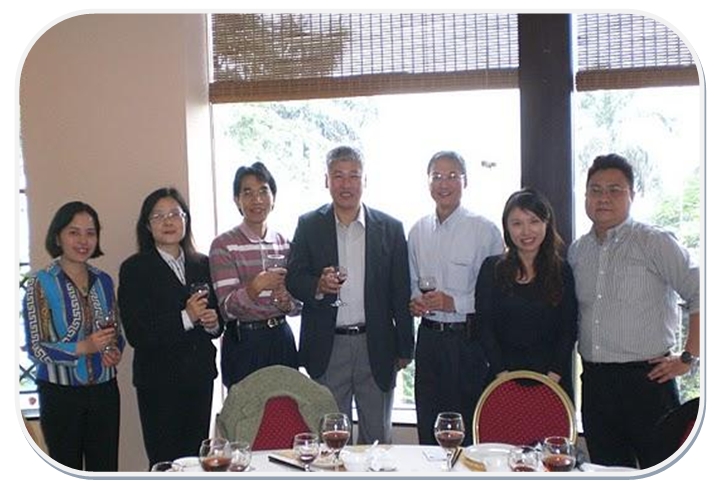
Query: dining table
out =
(397, 460)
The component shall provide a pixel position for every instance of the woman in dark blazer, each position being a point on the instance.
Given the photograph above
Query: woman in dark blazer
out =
(171, 328)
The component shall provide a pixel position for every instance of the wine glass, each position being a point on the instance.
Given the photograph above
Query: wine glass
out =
(524, 459)
(449, 430)
(214, 454)
(240, 455)
(275, 262)
(558, 454)
(164, 466)
(427, 284)
(306, 448)
(335, 432)
(341, 275)
(108, 321)
(199, 287)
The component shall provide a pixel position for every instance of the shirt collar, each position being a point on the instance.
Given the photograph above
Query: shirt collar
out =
(616, 232)
(169, 258)
(360, 218)
(271, 236)
(451, 218)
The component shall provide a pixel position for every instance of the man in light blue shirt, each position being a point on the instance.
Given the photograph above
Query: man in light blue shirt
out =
(449, 246)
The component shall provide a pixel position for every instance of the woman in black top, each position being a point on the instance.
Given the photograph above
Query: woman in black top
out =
(171, 328)
(526, 307)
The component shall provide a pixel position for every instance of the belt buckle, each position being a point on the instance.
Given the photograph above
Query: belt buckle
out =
(272, 322)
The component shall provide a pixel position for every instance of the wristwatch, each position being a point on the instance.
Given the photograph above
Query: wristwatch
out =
(687, 358)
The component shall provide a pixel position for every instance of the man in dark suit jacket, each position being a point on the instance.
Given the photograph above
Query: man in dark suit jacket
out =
(357, 348)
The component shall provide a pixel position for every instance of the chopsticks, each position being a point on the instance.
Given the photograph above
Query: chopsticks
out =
(456, 454)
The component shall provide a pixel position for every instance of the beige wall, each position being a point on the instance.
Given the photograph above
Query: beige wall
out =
(112, 107)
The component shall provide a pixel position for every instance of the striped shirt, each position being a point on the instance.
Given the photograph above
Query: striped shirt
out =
(452, 252)
(235, 258)
(58, 316)
(627, 289)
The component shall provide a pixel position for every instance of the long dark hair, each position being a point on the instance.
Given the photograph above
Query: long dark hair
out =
(62, 219)
(145, 241)
(548, 263)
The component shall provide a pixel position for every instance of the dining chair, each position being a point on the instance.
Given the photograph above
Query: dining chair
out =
(673, 429)
(271, 405)
(523, 407)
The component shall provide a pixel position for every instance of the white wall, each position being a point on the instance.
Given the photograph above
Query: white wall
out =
(112, 107)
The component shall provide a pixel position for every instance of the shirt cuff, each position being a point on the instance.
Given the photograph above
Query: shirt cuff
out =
(186, 321)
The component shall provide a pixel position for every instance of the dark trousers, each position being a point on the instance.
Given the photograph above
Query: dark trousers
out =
(621, 407)
(251, 350)
(175, 420)
(450, 376)
(81, 424)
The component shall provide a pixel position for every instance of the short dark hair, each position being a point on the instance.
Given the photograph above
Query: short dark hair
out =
(145, 241)
(62, 219)
(613, 161)
(452, 155)
(257, 170)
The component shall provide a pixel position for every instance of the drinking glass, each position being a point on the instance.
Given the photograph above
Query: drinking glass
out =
(275, 262)
(341, 275)
(240, 455)
(427, 284)
(163, 466)
(335, 432)
(108, 321)
(524, 459)
(306, 448)
(199, 287)
(214, 454)
(449, 430)
(558, 454)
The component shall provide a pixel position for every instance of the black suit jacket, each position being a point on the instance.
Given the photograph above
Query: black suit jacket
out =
(389, 325)
(151, 299)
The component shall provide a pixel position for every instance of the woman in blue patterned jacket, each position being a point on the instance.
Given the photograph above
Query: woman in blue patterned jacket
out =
(64, 306)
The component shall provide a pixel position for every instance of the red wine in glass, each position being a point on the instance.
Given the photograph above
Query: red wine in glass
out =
(335, 439)
(107, 321)
(449, 439)
(215, 463)
(335, 432)
(427, 284)
(449, 431)
(559, 463)
(199, 287)
(341, 276)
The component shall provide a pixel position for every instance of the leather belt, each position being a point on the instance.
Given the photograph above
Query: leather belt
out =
(353, 329)
(443, 326)
(263, 324)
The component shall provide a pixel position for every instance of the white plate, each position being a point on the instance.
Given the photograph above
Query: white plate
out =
(189, 463)
(493, 456)
(597, 467)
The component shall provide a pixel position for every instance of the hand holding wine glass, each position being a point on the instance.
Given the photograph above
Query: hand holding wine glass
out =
(335, 432)
(449, 430)
(108, 321)
(558, 454)
(306, 448)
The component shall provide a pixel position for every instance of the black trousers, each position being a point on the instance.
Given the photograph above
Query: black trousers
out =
(450, 375)
(621, 407)
(175, 420)
(81, 424)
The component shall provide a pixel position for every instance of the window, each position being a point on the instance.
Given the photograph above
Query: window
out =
(398, 134)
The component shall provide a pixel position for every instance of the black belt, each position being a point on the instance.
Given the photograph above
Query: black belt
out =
(354, 329)
(443, 326)
(262, 324)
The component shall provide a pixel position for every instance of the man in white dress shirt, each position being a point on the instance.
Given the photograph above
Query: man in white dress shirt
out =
(450, 245)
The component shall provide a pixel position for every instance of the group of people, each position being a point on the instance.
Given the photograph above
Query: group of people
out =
(496, 303)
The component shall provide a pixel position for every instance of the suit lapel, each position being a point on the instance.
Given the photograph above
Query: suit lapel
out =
(374, 231)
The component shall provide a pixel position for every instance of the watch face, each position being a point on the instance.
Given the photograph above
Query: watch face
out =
(686, 357)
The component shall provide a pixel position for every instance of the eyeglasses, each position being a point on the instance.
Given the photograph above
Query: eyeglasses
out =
(171, 215)
(612, 191)
(262, 193)
(450, 177)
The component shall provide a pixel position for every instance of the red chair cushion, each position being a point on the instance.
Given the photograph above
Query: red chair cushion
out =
(522, 412)
(280, 422)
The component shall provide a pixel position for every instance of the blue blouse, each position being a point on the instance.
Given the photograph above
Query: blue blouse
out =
(57, 317)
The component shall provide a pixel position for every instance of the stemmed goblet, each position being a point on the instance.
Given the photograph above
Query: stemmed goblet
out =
(427, 284)
(341, 275)
(524, 459)
(275, 263)
(199, 287)
(108, 321)
(215, 454)
(558, 454)
(306, 448)
(335, 432)
(449, 430)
